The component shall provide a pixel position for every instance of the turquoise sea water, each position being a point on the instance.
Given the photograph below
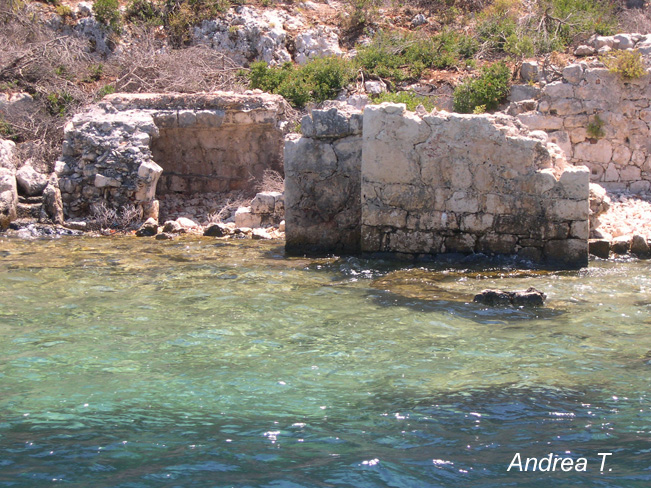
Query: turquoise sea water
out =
(204, 363)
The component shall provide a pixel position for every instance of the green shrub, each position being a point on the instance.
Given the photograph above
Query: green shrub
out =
(64, 12)
(59, 103)
(627, 64)
(595, 128)
(6, 130)
(399, 57)
(144, 12)
(107, 12)
(320, 79)
(488, 89)
(410, 99)
(105, 90)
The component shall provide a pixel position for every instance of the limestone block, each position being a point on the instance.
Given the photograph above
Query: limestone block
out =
(497, 243)
(567, 253)
(102, 181)
(565, 106)
(580, 229)
(621, 155)
(573, 73)
(244, 218)
(569, 209)
(537, 121)
(461, 242)
(630, 173)
(611, 173)
(331, 123)
(520, 93)
(476, 223)
(210, 118)
(600, 152)
(558, 90)
(463, 202)
(529, 71)
(640, 187)
(264, 203)
(575, 181)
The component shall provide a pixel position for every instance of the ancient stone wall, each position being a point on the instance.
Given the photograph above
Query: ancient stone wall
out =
(435, 183)
(322, 183)
(602, 121)
(117, 151)
(8, 188)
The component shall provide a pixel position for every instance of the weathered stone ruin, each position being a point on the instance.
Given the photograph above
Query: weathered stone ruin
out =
(8, 188)
(119, 151)
(393, 181)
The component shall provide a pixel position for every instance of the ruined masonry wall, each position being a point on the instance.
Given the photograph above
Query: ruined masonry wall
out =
(322, 184)
(440, 183)
(620, 159)
(117, 151)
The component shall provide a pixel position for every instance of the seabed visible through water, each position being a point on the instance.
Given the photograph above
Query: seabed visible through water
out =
(199, 363)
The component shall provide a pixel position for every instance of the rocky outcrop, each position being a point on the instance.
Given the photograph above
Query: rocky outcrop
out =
(8, 188)
(247, 34)
(434, 184)
(117, 150)
(322, 183)
(604, 44)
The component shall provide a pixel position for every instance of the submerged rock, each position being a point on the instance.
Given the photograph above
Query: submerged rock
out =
(500, 298)
(217, 230)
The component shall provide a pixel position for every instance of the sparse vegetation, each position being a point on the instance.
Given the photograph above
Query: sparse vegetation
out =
(410, 99)
(627, 64)
(595, 128)
(486, 90)
(107, 218)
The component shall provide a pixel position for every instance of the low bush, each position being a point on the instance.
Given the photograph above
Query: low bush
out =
(400, 57)
(488, 89)
(319, 80)
(107, 12)
(627, 64)
(144, 12)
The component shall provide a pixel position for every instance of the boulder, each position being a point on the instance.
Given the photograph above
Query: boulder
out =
(599, 248)
(639, 246)
(500, 298)
(217, 230)
(621, 245)
(245, 218)
(172, 227)
(30, 181)
(148, 228)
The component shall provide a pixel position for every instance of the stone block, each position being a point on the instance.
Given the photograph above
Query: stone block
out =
(573, 73)
(570, 253)
(599, 152)
(244, 218)
(621, 245)
(493, 243)
(575, 181)
(599, 248)
(639, 246)
(264, 203)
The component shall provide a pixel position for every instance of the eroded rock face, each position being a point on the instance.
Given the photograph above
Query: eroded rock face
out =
(434, 184)
(129, 147)
(8, 188)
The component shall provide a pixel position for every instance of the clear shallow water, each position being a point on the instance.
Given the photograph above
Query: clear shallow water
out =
(198, 363)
